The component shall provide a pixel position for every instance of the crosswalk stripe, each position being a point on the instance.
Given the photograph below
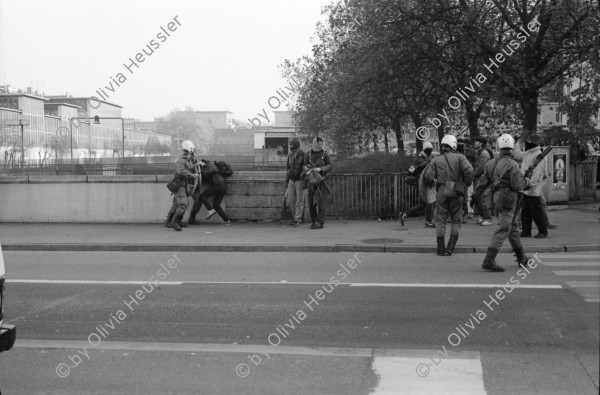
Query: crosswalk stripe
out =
(577, 272)
(411, 373)
(568, 256)
(583, 284)
(563, 263)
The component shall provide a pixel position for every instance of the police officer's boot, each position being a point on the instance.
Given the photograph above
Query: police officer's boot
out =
(170, 216)
(451, 244)
(489, 262)
(175, 224)
(522, 259)
(441, 246)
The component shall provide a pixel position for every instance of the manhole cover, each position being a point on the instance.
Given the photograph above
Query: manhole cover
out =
(382, 241)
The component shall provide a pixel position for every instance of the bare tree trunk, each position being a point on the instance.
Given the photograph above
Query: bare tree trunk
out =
(416, 118)
(472, 120)
(386, 142)
(440, 129)
(529, 102)
(399, 140)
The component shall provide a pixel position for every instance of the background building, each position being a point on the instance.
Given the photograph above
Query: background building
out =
(63, 127)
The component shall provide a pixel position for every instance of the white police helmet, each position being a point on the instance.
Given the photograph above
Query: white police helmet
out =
(187, 145)
(450, 141)
(506, 141)
(426, 145)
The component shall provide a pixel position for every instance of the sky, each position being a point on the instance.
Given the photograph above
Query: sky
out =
(222, 54)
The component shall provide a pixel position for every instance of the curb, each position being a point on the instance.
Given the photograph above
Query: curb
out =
(113, 247)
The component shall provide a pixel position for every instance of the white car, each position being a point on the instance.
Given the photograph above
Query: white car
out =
(8, 333)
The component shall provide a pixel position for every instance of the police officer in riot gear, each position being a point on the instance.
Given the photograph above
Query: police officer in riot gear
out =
(506, 180)
(447, 168)
(184, 172)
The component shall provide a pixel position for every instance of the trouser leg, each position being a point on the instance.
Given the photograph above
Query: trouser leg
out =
(526, 218)
(311, 206)
(456, 211)
(180, 200)
(429, 212)
(196, 206)
(513, 234)
(505, 227)
(298, 191)
(441, 217)
(537, 214)
(291, 196)
(210, 191)
(322, 205)
(418, 207)
(482, 208)
(220, 194)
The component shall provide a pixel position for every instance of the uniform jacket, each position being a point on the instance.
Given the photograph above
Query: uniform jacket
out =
(184, 169)
(502, 172)
(438, 170)
(539, 174)
(295, 164)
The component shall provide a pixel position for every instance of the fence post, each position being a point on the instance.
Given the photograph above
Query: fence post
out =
(396, 194)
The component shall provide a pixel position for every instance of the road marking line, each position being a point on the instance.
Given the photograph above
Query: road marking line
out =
(14, 280)
(199, 347)
(396, 285)
(419, 285)
(577, 272)
(398, 375)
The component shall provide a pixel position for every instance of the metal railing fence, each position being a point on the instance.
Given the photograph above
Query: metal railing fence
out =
(370, 195)
(583, 179)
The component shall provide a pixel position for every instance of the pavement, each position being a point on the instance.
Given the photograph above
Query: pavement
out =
(578, 229)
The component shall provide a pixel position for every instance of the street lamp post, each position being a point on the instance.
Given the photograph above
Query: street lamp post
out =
(97, 122)
(55, 141)
(22, 123)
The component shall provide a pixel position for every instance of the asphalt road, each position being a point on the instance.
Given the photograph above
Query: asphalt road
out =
(115, 322)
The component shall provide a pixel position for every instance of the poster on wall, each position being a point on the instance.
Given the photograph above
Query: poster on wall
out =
(560, 171)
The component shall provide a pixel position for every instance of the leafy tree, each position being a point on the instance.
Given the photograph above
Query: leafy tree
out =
(185, 125)
(407, 59)
(559, 34)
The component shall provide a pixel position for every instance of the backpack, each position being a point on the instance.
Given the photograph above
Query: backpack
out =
(224, 169)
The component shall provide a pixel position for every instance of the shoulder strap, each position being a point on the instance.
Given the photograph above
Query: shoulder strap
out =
(496, 166)
(449, 168)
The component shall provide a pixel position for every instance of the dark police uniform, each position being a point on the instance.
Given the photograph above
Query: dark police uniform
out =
(184, 168)
(438, 171)
(506, 180)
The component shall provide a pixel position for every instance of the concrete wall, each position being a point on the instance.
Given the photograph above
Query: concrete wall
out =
(251, 196)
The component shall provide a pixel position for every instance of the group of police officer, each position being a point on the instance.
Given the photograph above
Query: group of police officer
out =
(451, 174)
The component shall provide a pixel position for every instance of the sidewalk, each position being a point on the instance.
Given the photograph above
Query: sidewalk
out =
(578, 230)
